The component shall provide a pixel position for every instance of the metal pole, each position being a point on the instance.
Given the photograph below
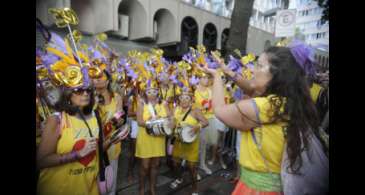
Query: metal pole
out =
(74, 44)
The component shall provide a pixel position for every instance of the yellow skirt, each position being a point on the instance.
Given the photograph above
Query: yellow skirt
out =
(149, 146)
(187, 151)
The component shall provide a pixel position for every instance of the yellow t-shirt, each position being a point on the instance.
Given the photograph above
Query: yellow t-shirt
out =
(75, 178)
(106, 113)
(203, 101)
(188, 151)
(148, 146)
(271, 138)
(314, 91)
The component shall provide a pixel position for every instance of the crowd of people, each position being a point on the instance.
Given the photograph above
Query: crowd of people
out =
(90, 99)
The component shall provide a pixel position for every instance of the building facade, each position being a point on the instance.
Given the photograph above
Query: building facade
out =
(309, 23)
(173, 25)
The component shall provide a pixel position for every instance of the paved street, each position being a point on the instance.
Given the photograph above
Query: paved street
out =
(214, 184)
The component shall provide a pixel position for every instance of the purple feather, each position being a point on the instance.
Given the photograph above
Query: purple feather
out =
(149, 83)
(102, 44)
(194, 80)
(120, 69)
(164, 61)
(90, 49)
(49, 59)
(234, 64)
(211, 63)
(239, 70)
(122, 61)
(39, 52)
(97, 55)
(85, 74)
(250, 66)
(173, 79)
(132, 74)
(180, 84)
(238, 94)
(188, 58)
(57, 42)
(304, 56)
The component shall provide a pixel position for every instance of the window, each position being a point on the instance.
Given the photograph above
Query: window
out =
(319, 24)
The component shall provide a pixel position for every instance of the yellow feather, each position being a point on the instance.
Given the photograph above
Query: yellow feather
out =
(68, 48)
(143, 71)
(83, 57)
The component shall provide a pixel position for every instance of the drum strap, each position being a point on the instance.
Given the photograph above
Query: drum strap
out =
(186, 114)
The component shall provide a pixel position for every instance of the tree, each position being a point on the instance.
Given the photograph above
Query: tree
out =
(326, 8)
(240, 19)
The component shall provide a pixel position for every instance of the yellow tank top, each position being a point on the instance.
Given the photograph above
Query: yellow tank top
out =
(167, 93)
(314, 91)
(106, 113)
(189, 120)
(76, 178)
(270, 136)
(203, 101)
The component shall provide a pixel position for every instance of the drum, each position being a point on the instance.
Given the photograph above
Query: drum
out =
(121, 132)
(184, 134)
(158, 127)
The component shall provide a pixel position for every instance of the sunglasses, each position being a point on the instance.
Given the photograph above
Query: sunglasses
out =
(152, 92)
(80, 91)
(184, 97)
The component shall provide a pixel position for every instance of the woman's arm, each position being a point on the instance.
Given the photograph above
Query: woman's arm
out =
(46, 155)
(241, 116)
(140, 120)
(237, 78)
(198, 115)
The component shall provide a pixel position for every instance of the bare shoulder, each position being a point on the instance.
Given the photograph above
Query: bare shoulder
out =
(118, 97)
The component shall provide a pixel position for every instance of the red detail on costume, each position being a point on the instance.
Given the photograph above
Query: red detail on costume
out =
(107, 129)
(207, 104)
(80, 144)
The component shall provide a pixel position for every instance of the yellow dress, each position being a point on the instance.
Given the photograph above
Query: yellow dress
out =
(314, 91)
(75, 178)
(149, 146)
(106, 113)
(270, 136)
(187, 151)
(204, 98)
